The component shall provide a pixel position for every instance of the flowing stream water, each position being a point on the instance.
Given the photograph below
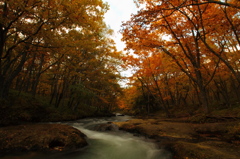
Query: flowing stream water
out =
(107, 145)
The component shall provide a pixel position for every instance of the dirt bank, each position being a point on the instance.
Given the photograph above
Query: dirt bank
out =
(218, 140)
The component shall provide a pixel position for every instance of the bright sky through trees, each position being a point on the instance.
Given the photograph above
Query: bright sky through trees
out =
(119, 11)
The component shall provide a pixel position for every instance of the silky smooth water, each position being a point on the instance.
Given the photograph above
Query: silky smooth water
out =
(107, 145)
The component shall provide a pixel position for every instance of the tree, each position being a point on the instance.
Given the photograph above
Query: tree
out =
(30, 24)
(61, 50)
(232, 3)
(183, 31)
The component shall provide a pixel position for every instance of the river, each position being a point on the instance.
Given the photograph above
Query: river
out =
(107, 145)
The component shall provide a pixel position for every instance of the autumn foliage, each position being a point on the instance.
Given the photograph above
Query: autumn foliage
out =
(61, 50)
(185, 55)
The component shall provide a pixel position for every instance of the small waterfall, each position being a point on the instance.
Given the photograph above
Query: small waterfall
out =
(114, 144)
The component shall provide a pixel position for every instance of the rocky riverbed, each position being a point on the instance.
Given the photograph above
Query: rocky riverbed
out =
(40, 137)
(189, 140)
(186, 140)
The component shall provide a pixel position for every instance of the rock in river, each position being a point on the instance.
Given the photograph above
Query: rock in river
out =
(106, 127)
(40, 137)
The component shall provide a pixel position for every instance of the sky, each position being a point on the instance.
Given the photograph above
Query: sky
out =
(120, 10)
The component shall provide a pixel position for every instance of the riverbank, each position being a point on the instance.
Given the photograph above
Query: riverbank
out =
(40, 137)
(189, 140)
(25, 109)
(20, 130)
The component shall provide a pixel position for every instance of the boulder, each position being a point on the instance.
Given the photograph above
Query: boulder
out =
(118, 114)
(40, 137)
(106, 127)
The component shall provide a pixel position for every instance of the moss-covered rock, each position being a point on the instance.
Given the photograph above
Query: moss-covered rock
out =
(189, 140)
(204, 150)
(40, 137)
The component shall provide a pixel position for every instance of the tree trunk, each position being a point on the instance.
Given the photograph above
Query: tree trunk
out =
(6, 81)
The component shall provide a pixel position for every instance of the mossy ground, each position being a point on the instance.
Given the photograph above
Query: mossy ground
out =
(24, 108)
